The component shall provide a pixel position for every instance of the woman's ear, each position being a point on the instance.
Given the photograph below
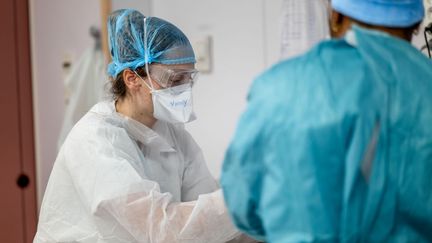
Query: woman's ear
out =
(130, 79)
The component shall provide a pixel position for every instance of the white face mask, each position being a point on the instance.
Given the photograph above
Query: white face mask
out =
(174, 104)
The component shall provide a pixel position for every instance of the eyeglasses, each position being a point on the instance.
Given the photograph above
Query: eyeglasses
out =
(167, 78)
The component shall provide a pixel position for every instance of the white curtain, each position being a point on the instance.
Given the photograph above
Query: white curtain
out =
(84, 87)
(304, 24)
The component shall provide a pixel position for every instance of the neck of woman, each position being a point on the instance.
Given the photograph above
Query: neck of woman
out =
(128, 107)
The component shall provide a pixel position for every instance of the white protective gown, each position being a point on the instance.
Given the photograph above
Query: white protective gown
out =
(116, 180)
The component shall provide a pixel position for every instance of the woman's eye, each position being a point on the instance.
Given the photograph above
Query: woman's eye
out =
(176, 82)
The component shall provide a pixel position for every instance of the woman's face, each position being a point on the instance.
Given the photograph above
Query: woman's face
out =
(141, 92)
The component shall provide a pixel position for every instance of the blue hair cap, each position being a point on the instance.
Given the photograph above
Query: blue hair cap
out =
(132, 44)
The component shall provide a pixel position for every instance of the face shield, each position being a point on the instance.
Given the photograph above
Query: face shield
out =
(167, 77)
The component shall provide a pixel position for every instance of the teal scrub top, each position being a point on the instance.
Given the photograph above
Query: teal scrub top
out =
(336, 146)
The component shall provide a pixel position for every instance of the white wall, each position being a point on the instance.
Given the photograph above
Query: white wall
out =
(245, 41)
(144, 6)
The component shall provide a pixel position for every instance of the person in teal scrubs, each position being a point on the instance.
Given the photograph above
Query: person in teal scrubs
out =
(336, 145)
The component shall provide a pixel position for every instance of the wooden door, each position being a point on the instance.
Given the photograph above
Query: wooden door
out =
(17, 160)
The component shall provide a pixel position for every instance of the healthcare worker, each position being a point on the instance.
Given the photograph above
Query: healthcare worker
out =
(336, 145)
(128, 171)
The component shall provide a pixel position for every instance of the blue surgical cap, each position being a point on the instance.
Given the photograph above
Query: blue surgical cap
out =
(132, 44)
(387, 13)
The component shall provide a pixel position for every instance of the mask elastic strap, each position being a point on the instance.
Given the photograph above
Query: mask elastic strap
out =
(150, 87)
(147, 56)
